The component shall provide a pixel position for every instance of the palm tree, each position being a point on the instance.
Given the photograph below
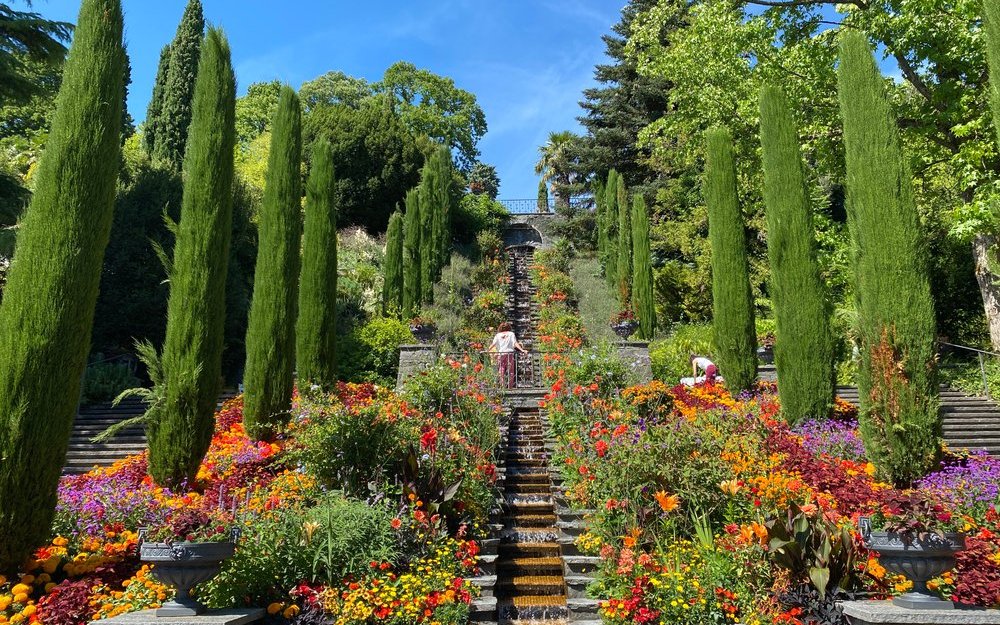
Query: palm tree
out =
(556, 165)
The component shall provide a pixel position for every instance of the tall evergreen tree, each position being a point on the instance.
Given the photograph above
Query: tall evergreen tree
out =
(900, 424)
(542, 205)
(411, 256)
(427, 251)
(623, 104)
(804, 347)
(316, 332)
(178, 92)
(179, 433)
(392, 291)
(735, 335)
(610, 256)
(642, 269)
(623, 272)
(154, 112)
(268, 378)
(441, 196)
(51, 291)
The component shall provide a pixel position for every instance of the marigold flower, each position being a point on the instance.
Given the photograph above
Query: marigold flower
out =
(668, 503)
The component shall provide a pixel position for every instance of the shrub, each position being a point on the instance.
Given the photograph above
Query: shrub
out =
(670, 357)
(370, 352)
(487, 311)
(478, 213)
(105, 381)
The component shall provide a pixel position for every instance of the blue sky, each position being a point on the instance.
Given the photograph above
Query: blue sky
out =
(527, 61)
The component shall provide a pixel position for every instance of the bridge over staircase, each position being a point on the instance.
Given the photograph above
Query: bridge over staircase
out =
(969, 422)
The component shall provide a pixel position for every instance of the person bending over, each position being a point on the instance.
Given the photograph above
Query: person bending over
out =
(706, 365)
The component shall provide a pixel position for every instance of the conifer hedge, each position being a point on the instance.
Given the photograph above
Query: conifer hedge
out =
(642, 269)
(392, 288)
(732, 299)
(192, 352)
(411, 256)
(316, 331)
(178, 91)
(268, 377)
(610, 256)
(804, 347)
(623, 270)
(48, 303)
(899, 417)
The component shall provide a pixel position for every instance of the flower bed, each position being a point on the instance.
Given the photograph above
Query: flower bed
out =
(366, 509)
(690, 486)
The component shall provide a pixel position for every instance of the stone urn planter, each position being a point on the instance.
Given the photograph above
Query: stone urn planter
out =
(625, 329)
(766, 354)
(185, 565)
(919, 560)
(424, 332)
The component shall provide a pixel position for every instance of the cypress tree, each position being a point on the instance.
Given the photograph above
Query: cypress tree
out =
(991, 22)
(316, 332)
(411, 256)
(192, 351)
(268, 377)
(392, 289)
(441, 193)
(48, 303)
(543, 197)
(804, 347)
(610, 258)
(427, 250)
(642, 272)
(623, 271)
(155, 110)
(732, 300)
(900, 424)
(178, 93)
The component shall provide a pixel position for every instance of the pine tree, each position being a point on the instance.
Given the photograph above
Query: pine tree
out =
(427, 251)
(192, 352)
(804, 348)
(268, 378)
(642, 273)
(178, 93)
(991, 22)
(151, 127)
(411, 256)
(735, 335)
(610, 256)
(316, 331)
(623, 271)
(49, 299)
(542, 204)
(392, 291)
(899, 417)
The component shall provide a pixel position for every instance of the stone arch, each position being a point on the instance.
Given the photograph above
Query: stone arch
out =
(522, 234)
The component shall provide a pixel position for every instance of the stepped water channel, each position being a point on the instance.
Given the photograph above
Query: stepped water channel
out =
(531, 568)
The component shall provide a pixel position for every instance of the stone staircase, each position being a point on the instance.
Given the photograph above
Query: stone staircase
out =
(83, 455)
(969, 422)
(522, 312)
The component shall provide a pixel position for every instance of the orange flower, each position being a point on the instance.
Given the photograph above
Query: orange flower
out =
(668, 503)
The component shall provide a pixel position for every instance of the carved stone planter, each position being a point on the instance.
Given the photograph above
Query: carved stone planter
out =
(919, 561)
(625, 329)
(184, 566)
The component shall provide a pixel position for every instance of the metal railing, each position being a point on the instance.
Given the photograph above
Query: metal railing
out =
(537, 207)
(981, 355)
(521, 371)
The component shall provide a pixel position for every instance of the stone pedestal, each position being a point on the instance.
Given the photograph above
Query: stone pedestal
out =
(413, 358)
(635, 354)
(887, 613)
(238, 616)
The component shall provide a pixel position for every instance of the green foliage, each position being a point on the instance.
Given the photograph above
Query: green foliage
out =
(478, 213)
(543, 197)
(412, 256)
(178, 91)
(48, 305)
(558, 167)
(377, 159)
(105, 381)
(316, 328)
(609, 229)
(274, 308)
(351, 535)
(899, 411)
(27, 37)
(192, 350)
(256, 110)
(597, 302)
(428, 249)
(814, 550)
(369, 352)
(642, 274)
(670, 357)
(483, 180)
(804, 345)
(735, 337)
(392, 293)
(487, 311)
(154, 112)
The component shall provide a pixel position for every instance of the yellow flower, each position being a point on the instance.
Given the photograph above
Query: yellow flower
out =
(730, 487)
(274, 608)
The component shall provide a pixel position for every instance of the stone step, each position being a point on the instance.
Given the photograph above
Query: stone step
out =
(533, 585)
(536, 566)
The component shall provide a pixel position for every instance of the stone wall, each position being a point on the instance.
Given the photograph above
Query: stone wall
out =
(635, 354)
(414, 358)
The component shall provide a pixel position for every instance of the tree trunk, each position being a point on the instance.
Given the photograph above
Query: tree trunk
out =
(989, 283)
